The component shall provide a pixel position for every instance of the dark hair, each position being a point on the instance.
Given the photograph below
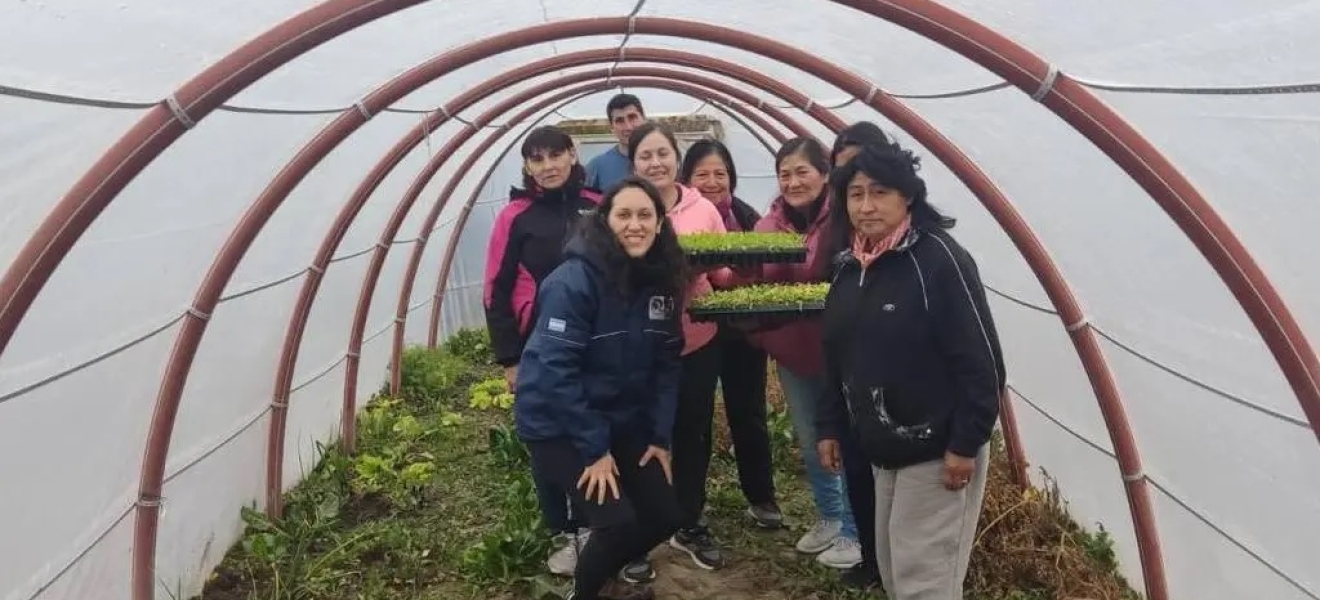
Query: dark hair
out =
(861, 133)
(648, 128)
(549, 138)
(664, 265)
(809, 147)
(891, 166)
(622, 101)
(698, 152)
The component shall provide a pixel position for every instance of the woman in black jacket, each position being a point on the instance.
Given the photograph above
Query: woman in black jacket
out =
(915, 370)
(598, 382)
(708, 167)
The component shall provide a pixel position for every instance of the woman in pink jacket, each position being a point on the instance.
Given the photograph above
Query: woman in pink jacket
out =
(803, 167)
(656, 157)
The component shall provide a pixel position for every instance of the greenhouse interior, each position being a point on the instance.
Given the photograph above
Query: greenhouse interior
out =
(243, 348)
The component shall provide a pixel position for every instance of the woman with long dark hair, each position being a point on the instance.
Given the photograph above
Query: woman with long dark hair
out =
(525, 246)
(708, 167)
(914, 370)
(599, 382)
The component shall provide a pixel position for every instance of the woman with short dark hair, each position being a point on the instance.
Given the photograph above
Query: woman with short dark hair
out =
(709, 168)
(914, 370)
(525, 246)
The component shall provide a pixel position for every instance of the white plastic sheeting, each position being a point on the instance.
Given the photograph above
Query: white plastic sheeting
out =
(1237, 470)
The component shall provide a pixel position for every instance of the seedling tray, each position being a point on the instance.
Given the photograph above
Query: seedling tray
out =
(744, 248)
(761, 303)
(761, 315)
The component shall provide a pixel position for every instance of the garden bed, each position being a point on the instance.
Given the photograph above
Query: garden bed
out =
(438, 504)
(743, 248)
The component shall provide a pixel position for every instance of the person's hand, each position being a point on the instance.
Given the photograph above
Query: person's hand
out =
(511, 377)
(661, 455)
(831, 457)
(747, 273)
(957, 471)
(600, 478)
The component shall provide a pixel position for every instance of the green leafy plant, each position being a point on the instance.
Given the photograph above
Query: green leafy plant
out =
(433, 375)
(764, 295)
(471, 345)
(741, 241)
(491, 393)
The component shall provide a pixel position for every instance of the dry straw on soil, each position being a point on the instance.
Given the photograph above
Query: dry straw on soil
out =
(1027, 546)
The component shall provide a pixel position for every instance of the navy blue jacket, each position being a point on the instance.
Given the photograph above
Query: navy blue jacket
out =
(598, 365)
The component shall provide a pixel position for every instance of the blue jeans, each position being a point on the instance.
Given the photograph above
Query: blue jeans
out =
(828, 489)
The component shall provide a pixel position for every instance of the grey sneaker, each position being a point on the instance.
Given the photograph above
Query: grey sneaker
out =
(563, 561)
(638, 571)
(819, 537)
(700, 545)
(844, 553)
(766, 515)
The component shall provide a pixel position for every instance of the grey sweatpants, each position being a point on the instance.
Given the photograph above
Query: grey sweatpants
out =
(924, 532)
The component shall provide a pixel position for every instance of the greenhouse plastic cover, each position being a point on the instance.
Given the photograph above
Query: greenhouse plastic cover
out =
(1223, 89)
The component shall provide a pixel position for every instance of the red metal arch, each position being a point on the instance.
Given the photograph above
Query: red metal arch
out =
(298, 321)
(1084, 339)
(158, 128)
(1111, 407)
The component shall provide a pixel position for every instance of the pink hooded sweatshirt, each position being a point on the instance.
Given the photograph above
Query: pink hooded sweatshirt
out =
(796, 345)
(695, 214)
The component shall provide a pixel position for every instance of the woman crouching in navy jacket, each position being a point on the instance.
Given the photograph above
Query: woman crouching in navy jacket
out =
(598, 382)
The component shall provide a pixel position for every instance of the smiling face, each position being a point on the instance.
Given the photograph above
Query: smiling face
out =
(634, 221)
(799, 182)
(550, 168)
(873, 209)
(711, 177)
(656, 160)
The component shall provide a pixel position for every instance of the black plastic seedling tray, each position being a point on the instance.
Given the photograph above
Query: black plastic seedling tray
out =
(763, 315)
(744, 258)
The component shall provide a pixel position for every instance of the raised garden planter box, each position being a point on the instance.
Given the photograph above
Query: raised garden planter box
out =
(761, 305)
(743, 248)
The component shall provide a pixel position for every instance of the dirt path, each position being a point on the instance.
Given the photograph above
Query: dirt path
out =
(679, 579)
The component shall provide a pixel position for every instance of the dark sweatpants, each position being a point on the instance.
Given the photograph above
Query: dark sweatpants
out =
(742, 379)
(692, 430)
(645, 514)
(861, 495)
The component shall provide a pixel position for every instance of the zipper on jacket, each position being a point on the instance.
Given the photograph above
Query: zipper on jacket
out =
(861, 278)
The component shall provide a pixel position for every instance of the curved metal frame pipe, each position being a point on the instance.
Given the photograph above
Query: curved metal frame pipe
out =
(1137, 492)
(1084, 339)
(335, 235)
(162, 125)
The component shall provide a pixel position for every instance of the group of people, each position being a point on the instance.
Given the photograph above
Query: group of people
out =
(893, 391)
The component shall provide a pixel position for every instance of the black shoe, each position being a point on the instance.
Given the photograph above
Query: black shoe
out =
(766, 515)
(861, 577)
(698, 544)
(638, 571)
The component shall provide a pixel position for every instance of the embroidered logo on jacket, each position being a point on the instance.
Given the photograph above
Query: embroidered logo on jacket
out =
(660, 308)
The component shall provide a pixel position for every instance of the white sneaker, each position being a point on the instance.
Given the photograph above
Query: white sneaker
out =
(844, 553)
(564, 560)
(820, 537)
